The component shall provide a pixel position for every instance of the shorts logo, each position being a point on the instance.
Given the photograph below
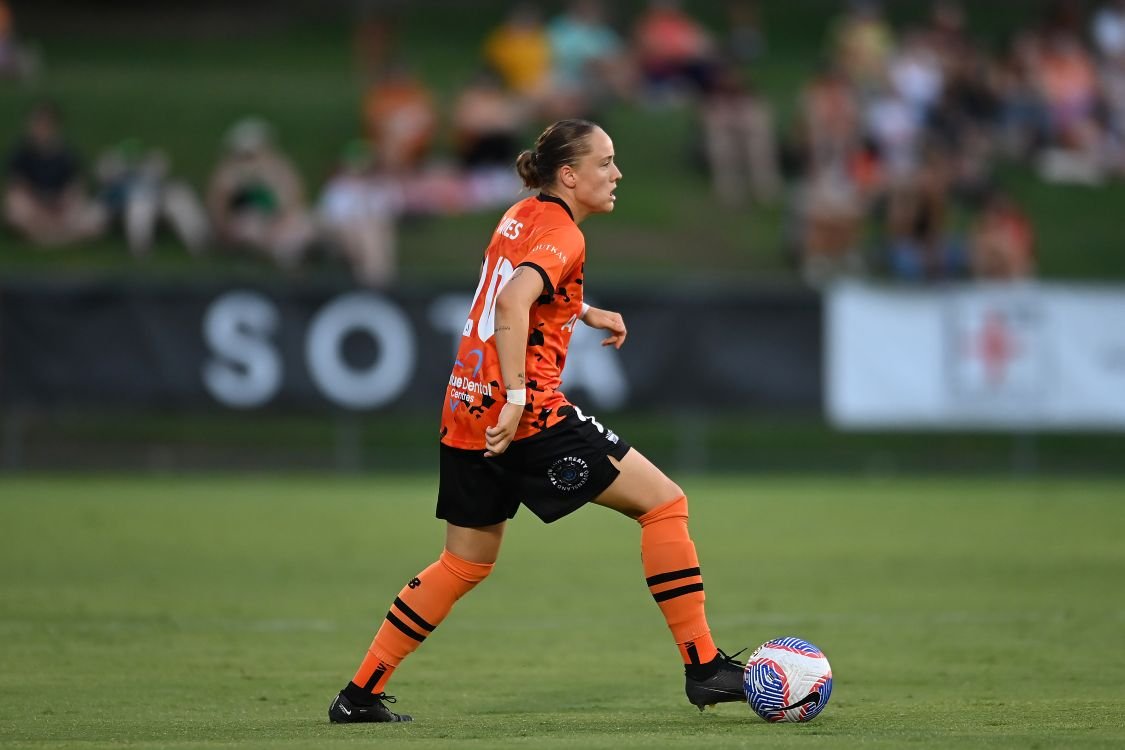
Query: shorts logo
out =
(569, 474)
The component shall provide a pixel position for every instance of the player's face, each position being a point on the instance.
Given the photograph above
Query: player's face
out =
(596, 175)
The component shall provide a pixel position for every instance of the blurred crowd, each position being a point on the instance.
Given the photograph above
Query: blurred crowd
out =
(887, 168)
(19, 60)
(900, 131)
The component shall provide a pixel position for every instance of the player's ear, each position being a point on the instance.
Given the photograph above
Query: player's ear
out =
(567, 176)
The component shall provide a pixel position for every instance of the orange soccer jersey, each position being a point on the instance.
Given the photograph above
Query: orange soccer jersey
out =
(538, 232)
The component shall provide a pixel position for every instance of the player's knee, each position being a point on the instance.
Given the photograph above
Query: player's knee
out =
(673, 491)
(468, 571)
(675, 508)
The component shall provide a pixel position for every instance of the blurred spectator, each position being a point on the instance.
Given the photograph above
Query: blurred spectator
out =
(830, 211)
(676, 54)
(1107, 28)
(745, 42)
(920, 246)
(1064, 17)
(842, 173)
(1068, 83)
(589, 64)
(373, 37)
(358, 209)
(400, 119)
(861, 42)
(916, 73)
(256, 199)
(896, 129)
(739, 141)
(1108, 31)
(1021, 119)
(946, 33)
(44, 198)
(963, 122)
(17, 60)
(520, 52)
(488, 121)
(1002, 241)
(1113, 86)
(829, 121)
(135, 187)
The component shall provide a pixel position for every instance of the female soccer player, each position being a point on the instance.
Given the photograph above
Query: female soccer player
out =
(510, 436)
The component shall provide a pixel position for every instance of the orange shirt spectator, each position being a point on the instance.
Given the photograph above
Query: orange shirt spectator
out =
(666, 34)
(5, 21)
(1002, 241)
(672, 47)
(1068, 81)
(400, 120)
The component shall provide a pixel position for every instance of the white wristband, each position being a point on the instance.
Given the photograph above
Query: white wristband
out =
(516, 396)
(585, 309)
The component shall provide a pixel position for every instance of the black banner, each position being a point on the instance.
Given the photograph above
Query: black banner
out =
(306, 347)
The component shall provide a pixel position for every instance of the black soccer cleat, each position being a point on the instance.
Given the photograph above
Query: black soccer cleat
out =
(724, 685)
(343, 711)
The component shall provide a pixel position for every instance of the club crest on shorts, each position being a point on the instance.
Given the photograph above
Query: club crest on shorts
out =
(569, 473)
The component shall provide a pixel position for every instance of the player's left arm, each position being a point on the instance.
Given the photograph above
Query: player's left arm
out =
(606, 320)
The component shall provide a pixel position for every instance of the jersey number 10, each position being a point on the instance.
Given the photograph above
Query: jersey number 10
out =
(486, 326)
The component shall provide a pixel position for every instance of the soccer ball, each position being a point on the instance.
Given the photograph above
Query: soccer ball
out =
(787, 679)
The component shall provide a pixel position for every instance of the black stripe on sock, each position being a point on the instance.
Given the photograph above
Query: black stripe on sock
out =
(692, 652)
(414, 616)
(403, 627)
(369, 686)
(665, 577)
(664, 596)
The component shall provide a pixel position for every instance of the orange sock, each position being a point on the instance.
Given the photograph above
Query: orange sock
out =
(672, 574)
(419, 608)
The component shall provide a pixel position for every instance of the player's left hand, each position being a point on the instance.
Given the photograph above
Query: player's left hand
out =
(607, 320)
(498, 437)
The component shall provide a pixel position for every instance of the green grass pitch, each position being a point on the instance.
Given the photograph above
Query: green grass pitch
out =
(225, 612)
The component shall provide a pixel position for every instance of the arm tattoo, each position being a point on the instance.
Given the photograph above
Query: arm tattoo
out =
(519, 377)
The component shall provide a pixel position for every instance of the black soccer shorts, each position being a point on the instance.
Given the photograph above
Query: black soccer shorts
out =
(553, 473)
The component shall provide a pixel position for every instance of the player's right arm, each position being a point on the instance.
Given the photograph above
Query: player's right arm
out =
(513, 313)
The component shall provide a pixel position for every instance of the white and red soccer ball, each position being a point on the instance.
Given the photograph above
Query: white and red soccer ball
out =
(787, 679)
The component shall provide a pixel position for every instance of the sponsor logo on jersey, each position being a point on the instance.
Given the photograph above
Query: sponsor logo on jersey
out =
(547, 247)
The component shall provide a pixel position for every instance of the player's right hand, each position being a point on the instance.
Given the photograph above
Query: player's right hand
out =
(498, 437)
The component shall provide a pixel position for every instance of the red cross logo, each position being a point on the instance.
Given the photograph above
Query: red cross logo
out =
(995, 345)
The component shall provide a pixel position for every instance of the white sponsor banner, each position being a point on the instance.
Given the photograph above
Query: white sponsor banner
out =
(998, 356)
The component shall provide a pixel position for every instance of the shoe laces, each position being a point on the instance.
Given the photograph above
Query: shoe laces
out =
(391, 699)
(732, 658)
